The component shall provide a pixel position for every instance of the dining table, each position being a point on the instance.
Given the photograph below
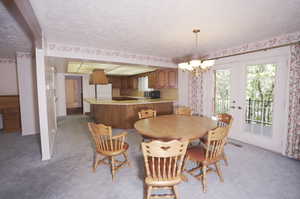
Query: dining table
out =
(180, 127)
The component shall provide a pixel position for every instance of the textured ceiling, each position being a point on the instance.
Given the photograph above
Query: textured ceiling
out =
(163, 28)
(13, 32)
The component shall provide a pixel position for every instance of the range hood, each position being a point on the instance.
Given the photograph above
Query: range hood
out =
(98, 77)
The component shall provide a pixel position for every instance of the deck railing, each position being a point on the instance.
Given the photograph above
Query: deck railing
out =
(257, 111)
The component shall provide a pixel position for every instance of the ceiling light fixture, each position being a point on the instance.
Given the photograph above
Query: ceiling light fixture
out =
(196, 66)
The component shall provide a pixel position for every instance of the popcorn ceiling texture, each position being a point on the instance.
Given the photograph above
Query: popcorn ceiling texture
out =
(12, 37)
(164, 28)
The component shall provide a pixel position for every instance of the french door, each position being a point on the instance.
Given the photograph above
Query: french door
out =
(254, 93)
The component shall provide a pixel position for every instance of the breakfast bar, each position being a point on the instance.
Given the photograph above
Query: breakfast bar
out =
(123, 114)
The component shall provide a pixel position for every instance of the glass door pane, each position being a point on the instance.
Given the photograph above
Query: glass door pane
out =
(259, 99)
(222, 91)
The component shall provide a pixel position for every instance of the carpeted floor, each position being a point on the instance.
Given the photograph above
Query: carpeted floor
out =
(252, 173)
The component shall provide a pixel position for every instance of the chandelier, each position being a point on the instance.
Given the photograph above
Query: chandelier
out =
(196, 66)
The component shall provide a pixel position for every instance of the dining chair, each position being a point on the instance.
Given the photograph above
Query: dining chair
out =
(225, 120)
(147, 113)
(109, 146)
(206, 155)
(182, 110)
(163, 163)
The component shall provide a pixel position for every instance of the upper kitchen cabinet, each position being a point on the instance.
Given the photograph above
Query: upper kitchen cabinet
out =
(115, 81)
(163, 78)
(133, 82)
(172, 78)
(152, 79)
(124, 82)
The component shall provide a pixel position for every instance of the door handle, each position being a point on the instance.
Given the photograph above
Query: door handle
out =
(240, 108)
(232, 107)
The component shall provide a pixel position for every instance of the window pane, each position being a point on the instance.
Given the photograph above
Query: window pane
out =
(222, 91)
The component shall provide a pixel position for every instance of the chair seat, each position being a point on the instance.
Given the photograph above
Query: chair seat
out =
(166, 182)
(116, 152)
(197, 153)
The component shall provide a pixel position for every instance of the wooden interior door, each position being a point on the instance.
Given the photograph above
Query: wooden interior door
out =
(73, 93)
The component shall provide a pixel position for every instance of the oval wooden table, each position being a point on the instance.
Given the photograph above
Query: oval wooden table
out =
(169, 127)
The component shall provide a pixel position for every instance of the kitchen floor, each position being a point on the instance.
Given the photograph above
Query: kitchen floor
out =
(252, 172)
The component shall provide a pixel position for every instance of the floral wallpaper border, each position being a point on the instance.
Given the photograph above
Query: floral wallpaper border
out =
(263, 44)
(97, 52)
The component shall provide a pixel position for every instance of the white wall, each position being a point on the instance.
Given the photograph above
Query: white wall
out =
(8, 77)
(27, 93)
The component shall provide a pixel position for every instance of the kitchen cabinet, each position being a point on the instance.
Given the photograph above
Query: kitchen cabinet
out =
(133, 82)
(124, 82)
(152, 80)
(163, 78)
(125, 115)
(115, 81)
(172, 78)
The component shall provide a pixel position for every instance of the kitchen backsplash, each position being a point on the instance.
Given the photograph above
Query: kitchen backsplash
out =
(166, 93)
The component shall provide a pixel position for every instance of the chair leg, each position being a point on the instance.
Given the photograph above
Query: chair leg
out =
(125, 154)
(219, 172)
(185, 161)
(225, 158)
(149, 189)
(95, 164)
(204, 182)
(113, 167)
(175, 190)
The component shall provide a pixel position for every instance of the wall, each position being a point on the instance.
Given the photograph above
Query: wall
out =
(8, 77)
(27, 93)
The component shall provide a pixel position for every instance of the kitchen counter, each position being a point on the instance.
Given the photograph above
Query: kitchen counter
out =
(123, 114)
(128, 102)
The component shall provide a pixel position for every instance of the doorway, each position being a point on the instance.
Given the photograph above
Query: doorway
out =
(254, 94)
(74, 98)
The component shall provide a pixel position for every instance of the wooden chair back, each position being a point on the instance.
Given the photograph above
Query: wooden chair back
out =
(224, 118)
(163, 160)
(104, 140)
(147, 113)
(215, 143)
(184, 111)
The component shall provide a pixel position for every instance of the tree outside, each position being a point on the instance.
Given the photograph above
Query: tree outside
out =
(259, 92)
